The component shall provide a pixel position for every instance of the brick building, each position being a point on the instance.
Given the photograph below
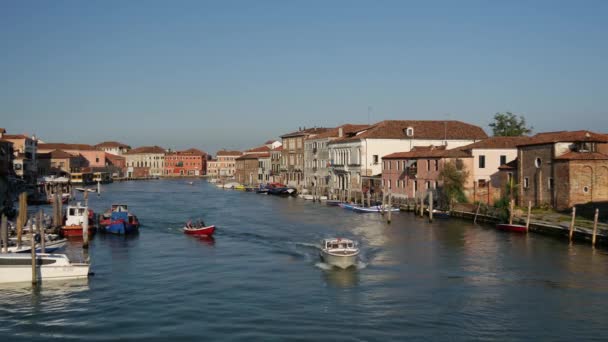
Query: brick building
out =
(95, 158)
(191, 162)
(116, 165)
(409, 174)
(25, 164)
(247, 169)
(562, 169)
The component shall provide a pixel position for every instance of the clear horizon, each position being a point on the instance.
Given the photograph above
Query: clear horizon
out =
(235, 74)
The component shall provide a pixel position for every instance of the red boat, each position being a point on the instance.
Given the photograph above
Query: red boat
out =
(75, 214)
(518, 228)
(201, 231)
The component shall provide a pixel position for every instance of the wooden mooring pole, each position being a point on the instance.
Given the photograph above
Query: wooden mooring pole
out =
(593, 238)
(4, 233)
(421, 206)
(41, 231)
(33, 252)
(528, 217)
(571, 234)
(85, 230)
(390, 207)
(431, 206)
(477, 212)
(511, 205)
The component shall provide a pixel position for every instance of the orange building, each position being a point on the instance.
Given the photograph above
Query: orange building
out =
(190, 162)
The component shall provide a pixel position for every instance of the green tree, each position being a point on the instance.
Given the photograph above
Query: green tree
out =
(509, 125)
(453, 176)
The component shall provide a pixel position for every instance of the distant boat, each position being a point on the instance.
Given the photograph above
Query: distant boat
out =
(339, 252)
(17, 267)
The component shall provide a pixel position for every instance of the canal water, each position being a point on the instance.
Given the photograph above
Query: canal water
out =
(261, 278)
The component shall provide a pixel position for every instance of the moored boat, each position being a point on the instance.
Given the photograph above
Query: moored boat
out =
(17, 267)
(74, 219)
(333, 203)
(200, 231)
(373, 209)
(49, 247)
(339, 252)
(517, 228)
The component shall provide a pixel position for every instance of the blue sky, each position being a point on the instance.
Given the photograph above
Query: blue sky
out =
(233, 73)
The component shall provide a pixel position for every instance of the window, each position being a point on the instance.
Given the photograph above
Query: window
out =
(482, 162)
(586, 189)
(550, 183)
(428, 184)
(526, 182)
(538, 162)
(436, 165)
(503, 160)
(389, 183)
(436, 184)
(415, 186)
(375, 157)
(482, 183)
(428, 165)
(97, 160)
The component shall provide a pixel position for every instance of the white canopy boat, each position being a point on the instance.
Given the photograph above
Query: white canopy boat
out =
(339, 252)
(49, 246)
(17, 267)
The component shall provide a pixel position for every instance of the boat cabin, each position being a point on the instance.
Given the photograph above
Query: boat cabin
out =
(84, 178)
(338, 244)
(76, 214)
(119, 208)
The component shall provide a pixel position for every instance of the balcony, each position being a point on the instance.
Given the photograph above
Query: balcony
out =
(314, 150)
(354, 165)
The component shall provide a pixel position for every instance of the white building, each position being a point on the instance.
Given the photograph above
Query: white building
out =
(113, 147)
(356, 158)
(145, 161)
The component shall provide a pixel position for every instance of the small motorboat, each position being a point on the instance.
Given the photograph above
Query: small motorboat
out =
(190, 183)
(240, 187)
(17, 267)
(347, 206)
(49, 247)
(200, 231)
(339, 252)
(517, 228)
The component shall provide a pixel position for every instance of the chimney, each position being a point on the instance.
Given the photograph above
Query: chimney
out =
(340, 132)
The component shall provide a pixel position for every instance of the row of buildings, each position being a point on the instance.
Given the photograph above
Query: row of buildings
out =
(555, 169)
(26, 158)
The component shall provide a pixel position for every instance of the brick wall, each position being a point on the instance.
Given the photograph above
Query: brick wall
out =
(538, 177)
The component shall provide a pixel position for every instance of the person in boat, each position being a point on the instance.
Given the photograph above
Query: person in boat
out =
(189, 224)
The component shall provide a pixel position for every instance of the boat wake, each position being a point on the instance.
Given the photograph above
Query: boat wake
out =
(327, 267)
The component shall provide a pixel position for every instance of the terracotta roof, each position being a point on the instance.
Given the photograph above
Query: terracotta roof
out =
(260, 149)
(498, 143)
(334, 132)
(512, 165)
(305, 132)
(429, 152)
(229, 153)
(147, 149)
(111, 157)
(253, 156)
(55, 154)
(583, 156)
(15, 136)
(112, 144)
(565, 136)
(190, 152)
(423, 129)
(62, 146)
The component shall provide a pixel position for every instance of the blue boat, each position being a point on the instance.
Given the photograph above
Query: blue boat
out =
(121, 221)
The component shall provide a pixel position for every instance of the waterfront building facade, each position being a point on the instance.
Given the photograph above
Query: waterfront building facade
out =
(145, 161)
(276, 164)
(356, 158)
(212, 168)
(292, 166)
(191, 162)
(226, 163)
(317, 162)
(58, 162)
(563, 169)
(247, 169)
(116, 165)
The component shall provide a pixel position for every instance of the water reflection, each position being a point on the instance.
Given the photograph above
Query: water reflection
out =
(341, 278)
(207, 240)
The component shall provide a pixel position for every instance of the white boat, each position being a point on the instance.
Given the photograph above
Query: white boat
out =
(17, 267)
(339, 252)
(308, 197)
(49, 247)
(373, 209)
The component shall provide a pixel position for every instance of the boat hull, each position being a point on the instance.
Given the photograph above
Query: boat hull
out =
(204, 231)
(121, 228)
(517, 228)
(19, 269)
(49, 247)
(333, 203)
(75, 230)
(340, 261)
